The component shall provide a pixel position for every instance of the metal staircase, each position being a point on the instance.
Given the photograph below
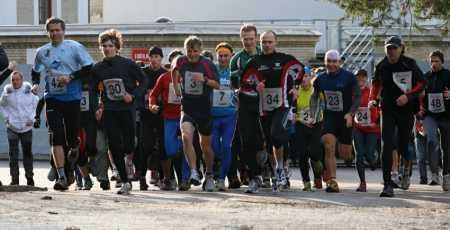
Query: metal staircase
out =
(359, 53)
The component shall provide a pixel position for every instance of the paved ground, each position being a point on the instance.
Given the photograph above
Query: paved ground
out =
(423, 207)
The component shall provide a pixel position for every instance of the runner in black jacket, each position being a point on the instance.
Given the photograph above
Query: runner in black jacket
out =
(436, 111)
(400, 81)
(119, 77)
(272, 76)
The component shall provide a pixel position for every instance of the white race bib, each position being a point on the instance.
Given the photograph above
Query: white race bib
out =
(193, 87)
(173, 98)
(115, 89)
(272, 99)
(54, 86)
(334, 101)
(362, 116)
(403, 80)
(84, 102)
(305, 117)
(222, 97)
(436, 102)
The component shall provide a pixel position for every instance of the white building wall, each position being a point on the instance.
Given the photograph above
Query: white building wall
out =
(145, 11)
(8, 11)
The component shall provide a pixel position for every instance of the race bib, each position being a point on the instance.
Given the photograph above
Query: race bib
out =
(334, 101)
(436, 102)
(272, 98)
(305, 117)
(403, 80)
(193, 87)
(84, 102)
(362, 116)
(223, 98)
(115, 89)
(54, 86)
(173, 98)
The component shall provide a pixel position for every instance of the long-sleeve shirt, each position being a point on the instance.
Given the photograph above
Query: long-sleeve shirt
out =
(117, 76)
(394, 80)
(171, 103)
(367, 120)
(18, 107)
(434, 102)
(278, 71)
(152, 76)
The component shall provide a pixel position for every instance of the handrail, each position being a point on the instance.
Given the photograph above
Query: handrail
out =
(367, 62)
(359, 54)
(357, 46)
(353, 41)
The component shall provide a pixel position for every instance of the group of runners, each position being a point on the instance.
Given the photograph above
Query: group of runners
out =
(240, 121)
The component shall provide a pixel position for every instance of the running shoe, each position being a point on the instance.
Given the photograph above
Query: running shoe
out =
(88, 184)
(388, 190)
(446, 182)
(307, 186)
(125, 189)
(51, 176)
(115, 175)
(209, 185)
(234, 182)
(105, 185)
(30, 181)
(281, 177)
(166, 185)
(318, 183)
(184, 186)
(143, 186)
(220, 185)
(362, 187)
(154, 177)
(195, 178)
(332, 186)
(253, 186)
(405, 182)
(61, 184)
(435, 179)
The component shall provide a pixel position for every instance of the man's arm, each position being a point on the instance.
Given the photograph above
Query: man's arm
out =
(213, 80)
(3, 59)
(417, 89)
(376, 86)
(139, 91)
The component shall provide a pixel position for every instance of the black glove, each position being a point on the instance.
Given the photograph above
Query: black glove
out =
(37, 122)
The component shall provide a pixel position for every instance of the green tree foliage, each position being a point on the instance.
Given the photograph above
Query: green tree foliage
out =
(405, 13)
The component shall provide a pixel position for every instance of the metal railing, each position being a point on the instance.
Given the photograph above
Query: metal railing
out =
(359, 52)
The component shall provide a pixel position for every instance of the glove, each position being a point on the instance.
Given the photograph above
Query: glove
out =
(9, 89)
(27, 89)
(37, 122)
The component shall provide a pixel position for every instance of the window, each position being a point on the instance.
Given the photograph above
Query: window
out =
(69, 11)
(45, 10)
(25, 12)
(95, 11)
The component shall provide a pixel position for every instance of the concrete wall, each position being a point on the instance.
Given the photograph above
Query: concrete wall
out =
(144, 11)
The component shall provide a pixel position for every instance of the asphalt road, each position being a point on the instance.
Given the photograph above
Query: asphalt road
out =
(422, 207)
